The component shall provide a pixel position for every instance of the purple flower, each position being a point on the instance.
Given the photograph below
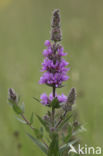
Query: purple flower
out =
(47, 52)
(47, 43)
(55, 70)
(45, 100)
(59, 66)
(61, 51)
(62, 98)
(50, 78)
(54, 66)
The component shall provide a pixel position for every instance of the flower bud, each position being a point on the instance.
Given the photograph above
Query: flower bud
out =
(75, 124)
(56, 34)
(70, 100)
(71, 97)
(46, 118)
(52, 129)
(56, 18)
(12, 95)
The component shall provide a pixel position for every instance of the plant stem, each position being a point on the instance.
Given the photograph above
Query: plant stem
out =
(53, 109)
(61, 119)
(27, 122)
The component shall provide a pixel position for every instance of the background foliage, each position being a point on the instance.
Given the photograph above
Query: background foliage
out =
(24, 26)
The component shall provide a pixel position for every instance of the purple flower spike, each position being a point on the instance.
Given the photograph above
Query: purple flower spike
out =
(54, 67)
(45, 100)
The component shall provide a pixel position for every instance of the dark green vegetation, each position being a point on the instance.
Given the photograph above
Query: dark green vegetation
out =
(24, 27)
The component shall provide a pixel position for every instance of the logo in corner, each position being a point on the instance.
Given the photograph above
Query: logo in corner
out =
(72, 149)
(85, 149)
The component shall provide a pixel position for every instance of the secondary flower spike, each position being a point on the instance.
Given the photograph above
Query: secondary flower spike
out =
(45, 100)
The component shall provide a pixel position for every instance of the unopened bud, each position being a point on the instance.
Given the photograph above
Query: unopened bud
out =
(56, 18)
(12, 95)
(75, 124)
(52, 129)
(71, 97)
(56, 34)
(70, 100)
(46, 117)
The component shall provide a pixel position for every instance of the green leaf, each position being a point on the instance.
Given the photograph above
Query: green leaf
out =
(36, 99)
(17, 109)
(11, 102)
(55, 103)
(22, 106)
(31, 118)
(69, 135)
(54, 146)
(43, 123)
(78, 130)
(20, 120)
(38, 133)
(42, 130)
(38, 143)
(68, 117)
(65, 146)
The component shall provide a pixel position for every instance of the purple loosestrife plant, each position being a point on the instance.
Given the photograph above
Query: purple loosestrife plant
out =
(59, 123)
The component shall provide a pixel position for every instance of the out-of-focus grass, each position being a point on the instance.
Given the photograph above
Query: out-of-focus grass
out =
(24, 25)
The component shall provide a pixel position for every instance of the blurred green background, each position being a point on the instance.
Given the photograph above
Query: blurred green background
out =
(24, 26)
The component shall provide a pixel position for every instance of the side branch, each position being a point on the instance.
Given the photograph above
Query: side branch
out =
(28, 123)
(61, 119)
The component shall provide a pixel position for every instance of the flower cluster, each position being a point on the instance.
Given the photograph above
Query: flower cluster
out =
(54, 65)
(45, 100)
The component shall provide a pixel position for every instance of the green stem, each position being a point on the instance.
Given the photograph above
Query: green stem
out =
(61, 119)
(53, 109)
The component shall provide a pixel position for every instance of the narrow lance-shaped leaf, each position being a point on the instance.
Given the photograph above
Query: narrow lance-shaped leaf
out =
(43, 123)
(31, 118)
(38, 143)
(66, 146)
(54, 146)
(17, 109)
(36, 99)
(79, 129)
(38, 133)
(67, 118)
(22, 106)
(20, 120)
(69, 135)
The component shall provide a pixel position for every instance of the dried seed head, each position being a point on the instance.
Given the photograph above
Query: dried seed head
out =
(12, 95)
(56, 34)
